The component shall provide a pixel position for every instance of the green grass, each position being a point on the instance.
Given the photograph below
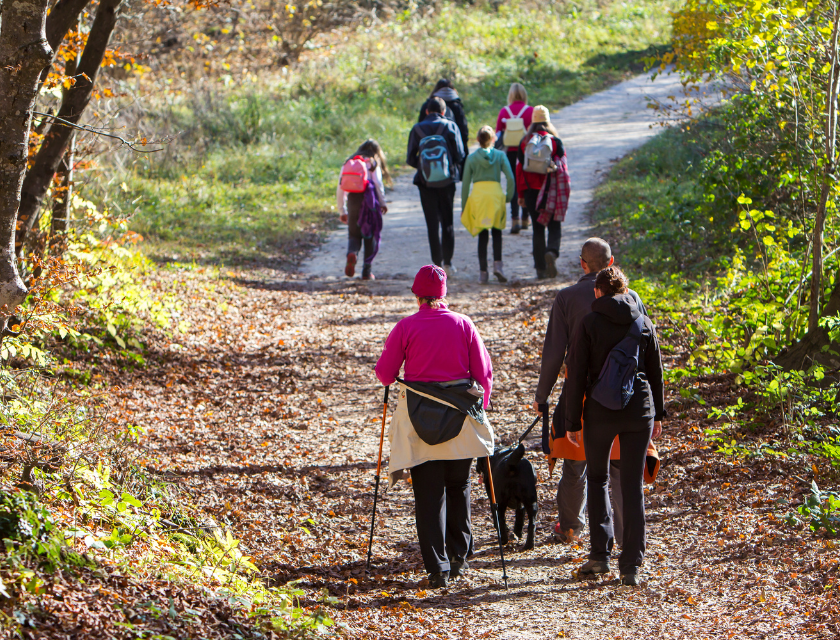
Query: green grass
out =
(254, 166)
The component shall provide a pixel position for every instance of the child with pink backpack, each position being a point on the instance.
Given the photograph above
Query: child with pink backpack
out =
(361, 204)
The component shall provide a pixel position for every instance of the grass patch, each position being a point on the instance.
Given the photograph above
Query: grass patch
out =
(253, 169)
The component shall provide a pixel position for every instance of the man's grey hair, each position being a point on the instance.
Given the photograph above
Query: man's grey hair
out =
(596, 253)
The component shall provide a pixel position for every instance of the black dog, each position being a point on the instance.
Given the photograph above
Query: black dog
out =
(515, 483)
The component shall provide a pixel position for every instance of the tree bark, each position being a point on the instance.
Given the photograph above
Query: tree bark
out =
(828, 173)
(75, 101)
(811, 348)
(24, 53)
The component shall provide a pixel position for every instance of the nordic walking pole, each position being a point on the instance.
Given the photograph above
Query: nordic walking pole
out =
(495, 514)
(378, 467)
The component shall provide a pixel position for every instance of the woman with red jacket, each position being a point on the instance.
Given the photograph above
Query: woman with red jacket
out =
(517, 108)
(528, 186)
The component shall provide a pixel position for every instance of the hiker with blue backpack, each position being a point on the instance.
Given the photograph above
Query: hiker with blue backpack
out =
(483, 201)
(454, 111)
(436, 150)
(361, 204)
(614, 382)
(542, 182)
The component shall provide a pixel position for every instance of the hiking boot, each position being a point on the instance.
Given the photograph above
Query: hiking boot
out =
(629, 580)
(366, 274)
(350, 267)
(457, 568)
(541, 275)
(550, 266)
(449, 270)
(497, 271)
(563, 537)
(525, 222)
(439, 580)
(592, 568)
(514, 226)
(483, 277)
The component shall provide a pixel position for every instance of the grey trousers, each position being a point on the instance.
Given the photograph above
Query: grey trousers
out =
(571, 497)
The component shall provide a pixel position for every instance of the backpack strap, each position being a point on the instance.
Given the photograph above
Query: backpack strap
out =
(510, 113)
(441, 129)
(521, 112)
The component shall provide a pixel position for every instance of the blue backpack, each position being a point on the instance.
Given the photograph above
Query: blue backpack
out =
(614, 386)
(435, 164)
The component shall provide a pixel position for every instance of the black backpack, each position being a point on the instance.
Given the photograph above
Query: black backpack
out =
(614, 386)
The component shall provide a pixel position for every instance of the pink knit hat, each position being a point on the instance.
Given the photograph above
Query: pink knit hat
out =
(430, 282)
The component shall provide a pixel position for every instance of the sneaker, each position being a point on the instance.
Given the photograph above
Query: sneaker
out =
(550, 266)
(483, 277)
(497, 271)
(449, 270)
(366, 274)
(350, 267)
(458, 568)
(541, 275)
(564, 537)
(439, 580)
(593, 568)
(629, 579)
(515, 226)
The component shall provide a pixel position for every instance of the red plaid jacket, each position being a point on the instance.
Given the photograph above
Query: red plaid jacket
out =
(554, 195)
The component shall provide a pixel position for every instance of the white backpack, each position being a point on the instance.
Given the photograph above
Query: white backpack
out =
(514, 128)
(538, 154)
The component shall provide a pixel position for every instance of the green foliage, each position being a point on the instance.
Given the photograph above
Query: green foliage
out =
(255, 164)
(820, 511)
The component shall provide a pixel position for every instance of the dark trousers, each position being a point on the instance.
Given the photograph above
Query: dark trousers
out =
(514, 204)
(571, 497)
(597, 441)
(539, 243)
(355, 241)
(483, 237)
(442, 511)
(437, 208)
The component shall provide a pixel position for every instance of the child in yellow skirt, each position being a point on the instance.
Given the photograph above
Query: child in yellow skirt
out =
(483, 205)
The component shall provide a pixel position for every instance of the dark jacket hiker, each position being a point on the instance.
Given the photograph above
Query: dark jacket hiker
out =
(454, 111)
(435, 124)
(613, 312)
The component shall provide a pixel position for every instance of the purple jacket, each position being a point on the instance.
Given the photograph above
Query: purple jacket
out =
(436, 345)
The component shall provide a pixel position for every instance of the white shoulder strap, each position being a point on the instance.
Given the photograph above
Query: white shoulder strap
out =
(510, 113)
(521, 112)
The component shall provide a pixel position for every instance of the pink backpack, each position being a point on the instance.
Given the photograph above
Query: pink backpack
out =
(354, 175)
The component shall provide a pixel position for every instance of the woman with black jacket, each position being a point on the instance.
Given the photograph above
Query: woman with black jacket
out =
(613, 314)
(454, 110)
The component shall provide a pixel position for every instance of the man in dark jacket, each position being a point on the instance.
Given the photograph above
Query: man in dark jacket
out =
(438, 201)
(454, 109)
(570, 306)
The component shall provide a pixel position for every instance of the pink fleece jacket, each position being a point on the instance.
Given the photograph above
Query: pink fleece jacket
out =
(436, 345)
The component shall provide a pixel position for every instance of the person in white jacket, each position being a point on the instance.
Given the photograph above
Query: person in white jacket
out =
(349, 206)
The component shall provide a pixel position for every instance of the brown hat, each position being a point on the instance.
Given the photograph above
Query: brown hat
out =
(541, 115)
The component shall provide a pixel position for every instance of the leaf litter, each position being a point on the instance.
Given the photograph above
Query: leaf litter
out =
(266, 410)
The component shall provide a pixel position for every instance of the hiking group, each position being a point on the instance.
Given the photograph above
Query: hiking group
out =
(600, 340)
(524, 147)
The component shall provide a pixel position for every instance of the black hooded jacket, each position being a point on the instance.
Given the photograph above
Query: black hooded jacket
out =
(454, 112)
(595, 337)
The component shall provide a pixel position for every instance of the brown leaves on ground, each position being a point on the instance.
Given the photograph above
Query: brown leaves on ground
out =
(267, 411)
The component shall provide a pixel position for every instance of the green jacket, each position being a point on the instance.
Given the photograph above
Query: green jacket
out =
(486, 165)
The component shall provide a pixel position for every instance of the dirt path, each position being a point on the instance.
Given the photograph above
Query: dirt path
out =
(267, 412)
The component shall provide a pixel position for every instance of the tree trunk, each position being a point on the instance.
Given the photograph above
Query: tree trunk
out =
(75, 101)
(828, 172)
(24, 53)
(812, 347)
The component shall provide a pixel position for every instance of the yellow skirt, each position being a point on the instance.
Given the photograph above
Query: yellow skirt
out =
(485, 208)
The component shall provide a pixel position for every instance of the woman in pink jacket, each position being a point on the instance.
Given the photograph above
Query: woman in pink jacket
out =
(441, 354)
(517, 109)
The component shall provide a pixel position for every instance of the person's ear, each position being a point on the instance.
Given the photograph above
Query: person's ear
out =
(612, 259)
(583, 265)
